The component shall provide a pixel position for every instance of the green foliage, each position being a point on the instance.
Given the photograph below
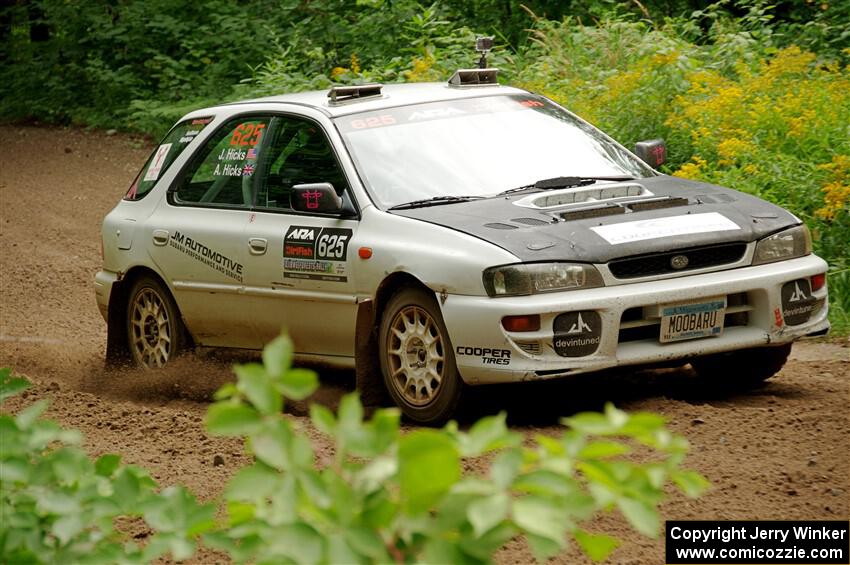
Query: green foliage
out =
(392, 496)
(382, 496)
(59, 506)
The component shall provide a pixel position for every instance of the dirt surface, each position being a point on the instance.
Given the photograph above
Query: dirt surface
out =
(780, 452)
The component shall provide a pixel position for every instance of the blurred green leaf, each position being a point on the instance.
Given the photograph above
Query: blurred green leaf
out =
(429, 465)
(258, 388)
(690, 482)
(596, 546)
(228, 419)
(10, 386)
(277, 356)
(641, 515)
(486, 513)
(298, 384)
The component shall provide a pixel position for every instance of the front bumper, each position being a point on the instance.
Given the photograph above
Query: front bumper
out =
(486, 353)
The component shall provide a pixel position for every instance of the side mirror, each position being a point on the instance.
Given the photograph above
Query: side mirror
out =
(320, 197)
(652, 152)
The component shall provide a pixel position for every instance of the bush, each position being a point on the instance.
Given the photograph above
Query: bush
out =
(386, 496)
(58, 506)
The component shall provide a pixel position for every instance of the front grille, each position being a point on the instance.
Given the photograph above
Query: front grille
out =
(635, 326)
(660, 263)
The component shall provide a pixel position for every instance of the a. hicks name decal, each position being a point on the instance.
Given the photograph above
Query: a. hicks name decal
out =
(209, 257)
(316, 253)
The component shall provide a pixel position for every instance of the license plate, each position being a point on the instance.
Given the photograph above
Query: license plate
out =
(692, 320)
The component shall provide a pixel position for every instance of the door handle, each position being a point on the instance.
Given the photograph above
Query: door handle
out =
(160, 237)
(257, 245)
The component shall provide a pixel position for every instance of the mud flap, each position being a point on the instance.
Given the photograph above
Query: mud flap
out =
(367, 369)
(117, 349)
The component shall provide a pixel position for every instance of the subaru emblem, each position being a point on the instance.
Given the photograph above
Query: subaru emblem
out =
(679, 262)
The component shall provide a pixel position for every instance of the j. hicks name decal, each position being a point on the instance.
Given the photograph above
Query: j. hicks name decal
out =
(316, 253)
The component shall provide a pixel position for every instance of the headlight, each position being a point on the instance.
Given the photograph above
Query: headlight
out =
(787, 244)
(533, 278)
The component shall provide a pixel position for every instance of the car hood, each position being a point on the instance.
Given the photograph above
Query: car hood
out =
(698, 214)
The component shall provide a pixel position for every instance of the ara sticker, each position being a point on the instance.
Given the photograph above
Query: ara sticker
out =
(157, 162)
(316, 253)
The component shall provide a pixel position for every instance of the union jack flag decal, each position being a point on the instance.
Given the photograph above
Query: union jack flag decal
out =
(248, 169)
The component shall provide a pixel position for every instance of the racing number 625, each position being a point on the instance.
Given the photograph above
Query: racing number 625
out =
(331, 246)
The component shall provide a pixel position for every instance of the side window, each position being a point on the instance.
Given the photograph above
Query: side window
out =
(222, 173)
(166, 152)
(298, 152)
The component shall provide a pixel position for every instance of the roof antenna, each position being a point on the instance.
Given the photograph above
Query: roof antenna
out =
(483, 45)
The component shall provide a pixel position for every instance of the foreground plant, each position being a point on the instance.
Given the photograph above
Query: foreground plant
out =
(59, 506)
(386, 496)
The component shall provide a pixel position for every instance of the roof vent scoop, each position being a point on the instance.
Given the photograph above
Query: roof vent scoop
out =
(342, 94)
(483, 75)
(474, 77)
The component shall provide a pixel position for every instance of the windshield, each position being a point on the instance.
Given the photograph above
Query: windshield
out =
(476, 147)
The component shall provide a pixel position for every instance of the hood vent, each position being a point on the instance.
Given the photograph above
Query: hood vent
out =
(657, 204)
(500, 226)
(594, 212)
(530, 221)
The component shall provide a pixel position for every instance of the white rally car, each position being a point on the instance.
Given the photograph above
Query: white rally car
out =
(435, 236)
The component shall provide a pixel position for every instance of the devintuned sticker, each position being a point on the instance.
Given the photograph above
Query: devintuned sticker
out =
(316, 253)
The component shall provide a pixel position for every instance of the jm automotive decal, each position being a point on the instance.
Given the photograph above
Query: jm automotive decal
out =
(207, 256)
(316, 253)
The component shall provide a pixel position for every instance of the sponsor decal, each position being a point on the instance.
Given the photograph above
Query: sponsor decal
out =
(157, 162)
(189, 135)
(577, 333)
(373, 122)
(488, 355)
(201, 121)
(312, 197)
(209, 257)
(628, 232)
(777, 317)
(798, 302)
(316, 253)
(247, 134)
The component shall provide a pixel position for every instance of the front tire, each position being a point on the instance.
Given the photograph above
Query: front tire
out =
(417, 360)
(747, 368)
(155, 332)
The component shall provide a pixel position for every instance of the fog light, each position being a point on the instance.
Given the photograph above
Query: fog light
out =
(818, 281)
(527, 323)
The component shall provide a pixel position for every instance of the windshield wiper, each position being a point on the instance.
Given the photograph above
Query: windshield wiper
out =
(562, 182)
(434, 201)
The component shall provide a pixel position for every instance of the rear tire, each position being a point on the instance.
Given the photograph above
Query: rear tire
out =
(155, 331)
(746, 368)
(417, 359)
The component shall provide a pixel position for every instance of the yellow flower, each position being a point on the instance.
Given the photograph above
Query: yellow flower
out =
(336, 72)
(355, 64)
(691, 170)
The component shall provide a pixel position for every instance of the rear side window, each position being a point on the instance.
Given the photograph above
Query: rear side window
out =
(222, 172)
(168, 150)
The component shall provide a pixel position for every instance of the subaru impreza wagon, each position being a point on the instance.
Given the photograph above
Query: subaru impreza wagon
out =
(439, 236)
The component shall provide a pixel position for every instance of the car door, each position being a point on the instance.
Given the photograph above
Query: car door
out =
(197, 234)
(299, 266)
